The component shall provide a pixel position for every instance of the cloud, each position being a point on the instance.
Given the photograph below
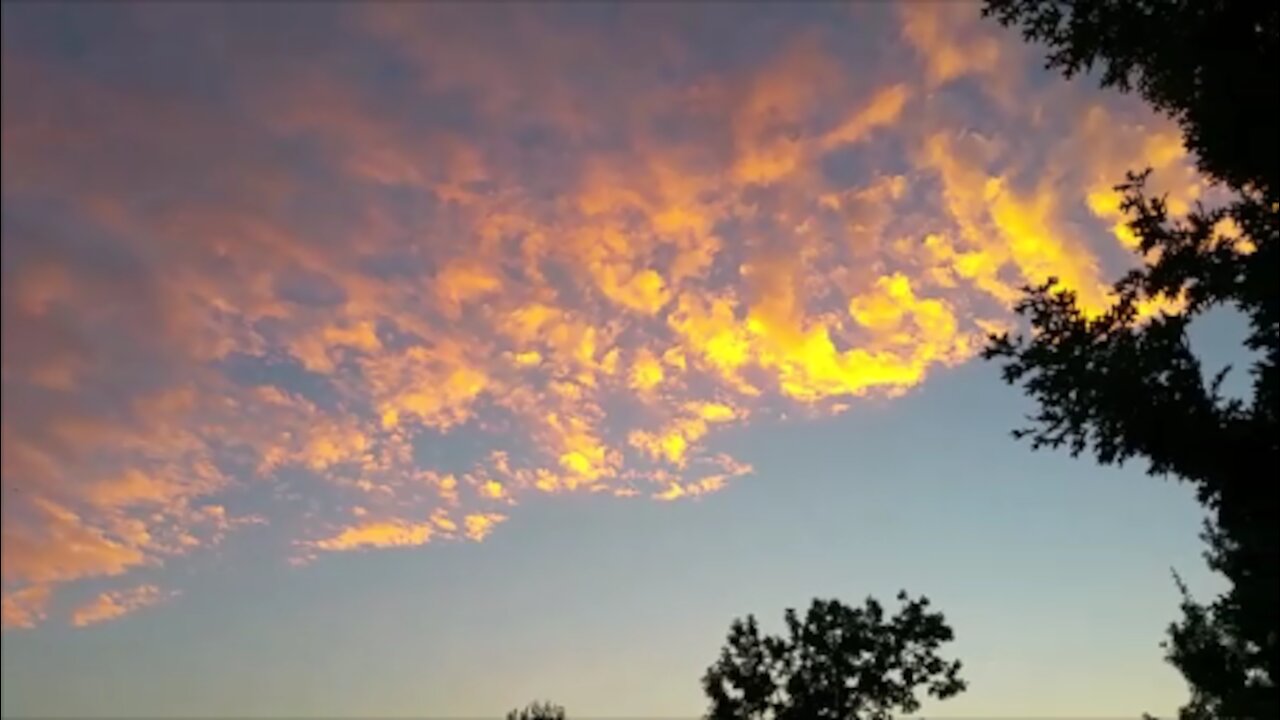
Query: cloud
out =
(380, 534)
(377, 291)
(883, 109)
(480, 525)
(951, 41)
(110, 606)
(24, 608)
(58, 545)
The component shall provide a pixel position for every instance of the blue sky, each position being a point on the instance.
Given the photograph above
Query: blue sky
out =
(424, 359)
(1054, 573)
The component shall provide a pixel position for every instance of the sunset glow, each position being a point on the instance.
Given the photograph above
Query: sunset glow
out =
(585, 267)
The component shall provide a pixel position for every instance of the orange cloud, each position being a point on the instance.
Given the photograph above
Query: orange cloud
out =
(883, 109)
(465, 280)
(777, 101)
(951, 40)
(380, 534)
(62, 546)
(436, 387)
(24, 608)
(480, 525)
(112, 605)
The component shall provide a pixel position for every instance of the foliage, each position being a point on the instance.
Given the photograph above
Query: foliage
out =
(538, 711)
(1208, 64)
(1124, 385)
(837, 663)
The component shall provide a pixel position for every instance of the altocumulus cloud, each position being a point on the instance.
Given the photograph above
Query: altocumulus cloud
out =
(244, 242)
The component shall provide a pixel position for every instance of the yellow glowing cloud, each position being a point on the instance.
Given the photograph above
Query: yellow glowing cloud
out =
(672, 442)
(702, 486)
(933, 334)
(1002, 228)
(646, 370)
(480, 525)
(528, 358)
(710, 328)
(1112, 147)
(582, 453)
(675, 489)
(378, 534)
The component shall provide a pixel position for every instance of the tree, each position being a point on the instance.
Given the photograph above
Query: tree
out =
(1208, 64)
(838, 663)
(1126, 386)
(538, 711)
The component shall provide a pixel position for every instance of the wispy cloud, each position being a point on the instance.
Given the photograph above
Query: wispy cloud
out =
(108, 606)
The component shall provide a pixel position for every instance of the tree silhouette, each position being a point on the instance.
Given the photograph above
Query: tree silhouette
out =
(837, 663)
(1209, 65)
(1123, 386)
(538, 711)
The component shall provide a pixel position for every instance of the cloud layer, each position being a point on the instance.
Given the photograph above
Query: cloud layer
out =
(366, 277)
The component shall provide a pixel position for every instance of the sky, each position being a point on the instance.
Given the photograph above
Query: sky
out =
(429, 358)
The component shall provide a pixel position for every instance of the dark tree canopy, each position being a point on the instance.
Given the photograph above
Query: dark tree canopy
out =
(538, 711)
(1124, 386)
(1208, 64)
(835, 663)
